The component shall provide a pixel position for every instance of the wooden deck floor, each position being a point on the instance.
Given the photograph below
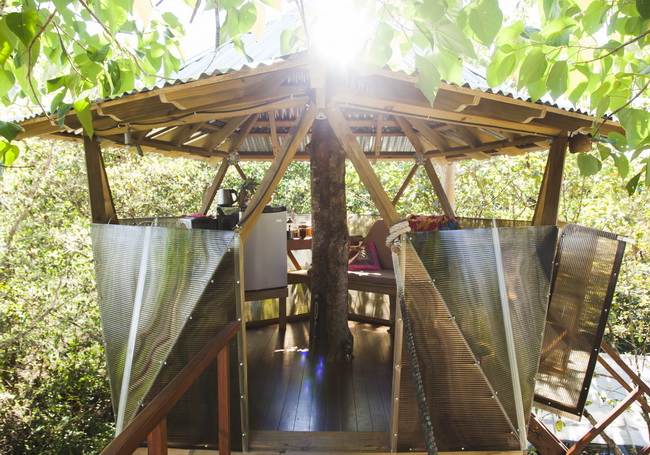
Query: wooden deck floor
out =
(288, 391)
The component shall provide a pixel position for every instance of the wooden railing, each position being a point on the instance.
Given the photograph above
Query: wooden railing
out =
(151, 423)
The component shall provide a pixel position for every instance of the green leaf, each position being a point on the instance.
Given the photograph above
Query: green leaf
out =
(171, 19)
(7, 81)
(636, 124)
(99, 55)
(604, 151)
(533, 67)
(287, 41)
(500, 68)
(9, 130)
(428, 77)
(247, 17)
(622, 164)
(56, 102)
(432, 11)
(647, 172)
(643, 7)
(558, 79)
(510, 34)
(5, 46)
(588, 164)
(450, 66)
(239, 45)
(56, 83)
(23, 25)
(454, 40)
(82, 108)
(592, 20)
(61, 112)
(8, 153)
(485, 20)
(632, 185)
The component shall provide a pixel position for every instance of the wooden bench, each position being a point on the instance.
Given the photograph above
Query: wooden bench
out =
(377, 281)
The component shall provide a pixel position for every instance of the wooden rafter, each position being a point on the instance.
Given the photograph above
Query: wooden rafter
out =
(362, 165)
(216, 139)
(410, 133)
(405, 185)
(275, 144)
(211, 191)
(472, 141)
(378, 134)
(431, 135)
(240, 171)
(275, 172)
(238, 139)
(438, 189)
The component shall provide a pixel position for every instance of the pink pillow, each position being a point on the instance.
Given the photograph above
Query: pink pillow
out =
(363, 257)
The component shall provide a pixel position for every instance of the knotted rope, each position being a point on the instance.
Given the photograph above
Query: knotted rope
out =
(393, 242)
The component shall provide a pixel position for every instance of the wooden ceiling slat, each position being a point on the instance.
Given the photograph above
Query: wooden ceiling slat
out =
(433, 137)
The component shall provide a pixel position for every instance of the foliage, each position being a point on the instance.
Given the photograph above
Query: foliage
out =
(54, 394)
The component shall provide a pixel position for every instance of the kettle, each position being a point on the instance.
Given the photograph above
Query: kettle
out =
(226, 197)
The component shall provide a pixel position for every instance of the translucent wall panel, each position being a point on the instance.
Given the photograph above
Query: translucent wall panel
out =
(586, 274)
(163, 294)
(460, 333)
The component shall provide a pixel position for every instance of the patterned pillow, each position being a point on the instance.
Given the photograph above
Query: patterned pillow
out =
(363, 257)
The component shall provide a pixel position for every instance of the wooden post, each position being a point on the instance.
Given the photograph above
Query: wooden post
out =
(548, 202)
(438, 189)
(329, 335)
(157, 439)
(448, 180)
(361, 163)
(223, 393)
(209, 194)
(275, 172)
(102, 208)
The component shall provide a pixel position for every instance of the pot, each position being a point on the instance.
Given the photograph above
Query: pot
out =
(226, 197)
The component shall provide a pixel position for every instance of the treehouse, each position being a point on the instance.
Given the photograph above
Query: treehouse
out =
(488, 322)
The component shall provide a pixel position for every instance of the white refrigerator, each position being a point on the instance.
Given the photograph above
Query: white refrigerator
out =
(265, 251)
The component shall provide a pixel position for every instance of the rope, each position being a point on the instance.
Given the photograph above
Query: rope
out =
(392, 241)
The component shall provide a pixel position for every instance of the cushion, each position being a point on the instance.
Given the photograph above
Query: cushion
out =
(363, 257)
(377, 235)
(419, 223)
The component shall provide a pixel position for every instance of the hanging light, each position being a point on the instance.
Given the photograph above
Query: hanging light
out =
(128, 139)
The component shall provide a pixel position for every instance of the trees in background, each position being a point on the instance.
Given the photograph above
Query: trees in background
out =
(60, 55)
(54, 395)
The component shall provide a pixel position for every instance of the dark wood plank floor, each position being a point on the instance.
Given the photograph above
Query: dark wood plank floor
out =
(289, 391)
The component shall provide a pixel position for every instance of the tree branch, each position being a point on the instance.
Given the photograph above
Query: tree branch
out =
(609, 116)
(30, 63)
(616, 49)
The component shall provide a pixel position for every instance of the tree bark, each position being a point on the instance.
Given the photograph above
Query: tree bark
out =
(330, 338)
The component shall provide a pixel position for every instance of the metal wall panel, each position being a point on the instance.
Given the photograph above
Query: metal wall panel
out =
(453, 300)
(585, 277)
(183, 283)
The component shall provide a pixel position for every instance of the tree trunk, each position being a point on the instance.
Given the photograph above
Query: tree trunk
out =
(329, 336)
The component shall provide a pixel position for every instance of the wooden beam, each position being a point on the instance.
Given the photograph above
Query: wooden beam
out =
(184, 133)
(362, 165)
(216, 139)
(448, 180)
(410, 133)
(209, 194)
(240, 171)
(378, 133)
(432, 136)
(275, 172)
(246, 127)
(438, 189)
(102, 209)
(543, 440)
(415, 105)
(275, 144)
(472, 140)
(496, 145)
(405, 185)
(548, 202)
